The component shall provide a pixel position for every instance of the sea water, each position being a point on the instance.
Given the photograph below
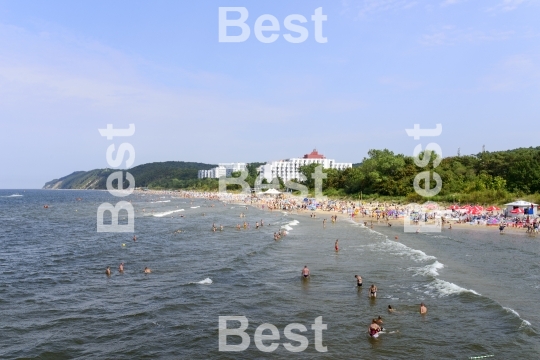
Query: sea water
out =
(481, 289)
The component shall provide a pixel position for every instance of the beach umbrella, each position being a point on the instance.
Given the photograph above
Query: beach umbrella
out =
(517, 211)
(453, 207)
(493, 208)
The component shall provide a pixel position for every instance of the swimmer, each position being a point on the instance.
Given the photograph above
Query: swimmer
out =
(108, 271)
(380, 322)
(305, 272)
(374, 329)
(358, 280)
(324, 223)
(121, 267)
(257, 225)
(423, 309)
(336, 246)
(501, 229)
(373, 291)
(147, 270)
(134, 238)
(391, 309)
(220, 227)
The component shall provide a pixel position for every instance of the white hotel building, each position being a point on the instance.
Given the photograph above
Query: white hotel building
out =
(290, 168)
(223, 169)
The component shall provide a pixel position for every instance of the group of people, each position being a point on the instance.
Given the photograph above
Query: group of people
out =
(146, 270)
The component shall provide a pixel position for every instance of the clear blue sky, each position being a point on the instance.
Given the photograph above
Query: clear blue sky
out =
(68, 68)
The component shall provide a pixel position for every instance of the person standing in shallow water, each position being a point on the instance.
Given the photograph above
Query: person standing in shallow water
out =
(336, 246)
(423, 309)
(305, 272)
(358, 280)
(108, 271)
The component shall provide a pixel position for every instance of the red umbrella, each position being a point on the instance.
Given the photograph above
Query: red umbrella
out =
(453, 207)
(517, 211)
(493, 208)
(475, 210)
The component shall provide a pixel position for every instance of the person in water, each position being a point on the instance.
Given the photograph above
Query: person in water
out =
(380, 322)
(134, 238)
(391, 309)
(336, 246)
(358, 280)
(147, 270)
(374, 329)
(121, 267)
(423, 309)
(501, 229)
(305, 272)
(373, 291)
(108, 271)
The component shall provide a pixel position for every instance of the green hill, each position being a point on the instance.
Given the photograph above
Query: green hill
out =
(158, 174)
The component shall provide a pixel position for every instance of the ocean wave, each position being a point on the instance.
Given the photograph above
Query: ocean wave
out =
(13, 195)
(524, 323)
(428, 270)
(162, 214)
(294, 222)
(206, 281)
(195, 207)
(161, 201)
(397, 248)
(445, 288)
(287, 227)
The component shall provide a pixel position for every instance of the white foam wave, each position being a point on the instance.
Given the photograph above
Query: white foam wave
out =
(162, 214)
(13, 195)
(397, 248)
(161, 201)
(428, 270)
(445, 288)
(286, 227)
(294, 222)
(206, 281)
(524, 322)
(195, 207)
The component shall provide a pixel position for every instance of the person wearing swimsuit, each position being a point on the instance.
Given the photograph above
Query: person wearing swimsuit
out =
(373, 291)
(336, 246)
(305, 272)
(358, 280)
(374, 329)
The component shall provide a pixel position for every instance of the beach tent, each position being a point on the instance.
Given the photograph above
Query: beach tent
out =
(526, 207)
(272, 192)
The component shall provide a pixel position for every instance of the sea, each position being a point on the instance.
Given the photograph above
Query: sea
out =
(482, 290)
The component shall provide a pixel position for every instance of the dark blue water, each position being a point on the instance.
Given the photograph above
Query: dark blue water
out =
(481, 289)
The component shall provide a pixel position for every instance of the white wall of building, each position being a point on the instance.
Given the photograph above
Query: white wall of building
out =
(223, 169)
(290, 169)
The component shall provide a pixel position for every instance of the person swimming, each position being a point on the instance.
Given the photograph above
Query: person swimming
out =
(374, 329)
(380, 322)
(373, 291)
(108, 271)
(121, 267)
(391, 309)
(305, 272)
(147, 270)
(358, 280)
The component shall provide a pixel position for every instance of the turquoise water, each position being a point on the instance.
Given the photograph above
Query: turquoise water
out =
(481, 289)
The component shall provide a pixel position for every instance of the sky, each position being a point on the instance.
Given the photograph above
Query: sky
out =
(69, 68)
